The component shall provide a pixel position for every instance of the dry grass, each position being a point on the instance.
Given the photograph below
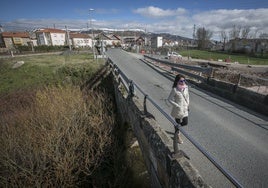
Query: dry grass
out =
(55, 137)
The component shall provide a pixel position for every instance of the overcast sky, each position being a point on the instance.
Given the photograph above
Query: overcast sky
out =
(170, 16)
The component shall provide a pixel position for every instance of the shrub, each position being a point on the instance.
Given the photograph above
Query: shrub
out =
(56, 140)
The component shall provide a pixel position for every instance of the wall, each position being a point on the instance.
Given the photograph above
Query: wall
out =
(165, 168)
(240, 95)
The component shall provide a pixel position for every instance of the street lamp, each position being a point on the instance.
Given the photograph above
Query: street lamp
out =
(91, 10)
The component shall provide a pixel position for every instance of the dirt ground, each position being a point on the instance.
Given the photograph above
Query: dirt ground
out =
(253, 77)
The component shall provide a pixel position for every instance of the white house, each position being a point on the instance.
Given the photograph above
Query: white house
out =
(111, 40)
(157, 42)
(80, 40)
(51, 37)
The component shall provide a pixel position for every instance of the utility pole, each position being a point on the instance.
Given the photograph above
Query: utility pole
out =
(92, 34)
(194, 33)
(68, 38)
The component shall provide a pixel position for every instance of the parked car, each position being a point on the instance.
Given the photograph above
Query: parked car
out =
(173, 55)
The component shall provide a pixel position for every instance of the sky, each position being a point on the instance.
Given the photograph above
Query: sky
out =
(178, 17)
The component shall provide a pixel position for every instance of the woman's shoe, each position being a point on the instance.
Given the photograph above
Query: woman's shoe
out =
(180, 141)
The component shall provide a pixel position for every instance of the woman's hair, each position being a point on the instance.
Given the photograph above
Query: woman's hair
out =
(177, 78)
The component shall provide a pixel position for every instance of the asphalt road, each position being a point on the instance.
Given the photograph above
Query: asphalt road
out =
(233, 135)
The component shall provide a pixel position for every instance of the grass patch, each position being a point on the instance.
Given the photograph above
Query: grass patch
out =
(43, 70)
(208, 55)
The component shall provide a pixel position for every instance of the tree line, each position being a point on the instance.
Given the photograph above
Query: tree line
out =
(203, 35)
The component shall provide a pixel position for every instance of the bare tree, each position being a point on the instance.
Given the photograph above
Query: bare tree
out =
(235, 32)
(203, 37)
(245, 32)
(224, 38)
(263, 36)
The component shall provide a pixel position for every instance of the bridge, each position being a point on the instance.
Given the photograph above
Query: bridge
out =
(225, 142)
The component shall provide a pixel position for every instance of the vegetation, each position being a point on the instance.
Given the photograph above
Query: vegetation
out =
(54, 137)
(203, 37)
(213, 55)
(38, 71)
(53, 134)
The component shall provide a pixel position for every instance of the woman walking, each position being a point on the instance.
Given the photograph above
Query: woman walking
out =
(179, 98)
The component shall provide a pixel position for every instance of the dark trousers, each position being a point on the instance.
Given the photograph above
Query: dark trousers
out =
(182, 122)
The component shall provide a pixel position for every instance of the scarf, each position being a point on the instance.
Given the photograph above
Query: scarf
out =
(181, 87)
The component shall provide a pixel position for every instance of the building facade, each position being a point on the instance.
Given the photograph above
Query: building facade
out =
(10, 40)
(51, 37)
(156, 42)
(80, 40)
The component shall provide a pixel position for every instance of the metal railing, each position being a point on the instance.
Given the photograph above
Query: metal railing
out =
(131, 86)
(189, 70)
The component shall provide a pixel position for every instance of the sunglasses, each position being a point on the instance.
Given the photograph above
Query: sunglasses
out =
(181, 81)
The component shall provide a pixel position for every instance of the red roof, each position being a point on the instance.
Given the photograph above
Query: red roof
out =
(15, 34)
(50, 30)
(79, 35)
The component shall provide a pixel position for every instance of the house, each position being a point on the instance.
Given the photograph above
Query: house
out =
(129, 40)
(156, 42)
(10, 40)
(116, 40)
(108, 40)
(80, 40)
(51, 37)
(140, 41)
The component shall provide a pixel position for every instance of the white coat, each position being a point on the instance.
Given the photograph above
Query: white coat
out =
(180, 102)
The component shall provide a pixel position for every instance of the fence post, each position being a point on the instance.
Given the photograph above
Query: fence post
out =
(144, 105)
(239, 79)
(131, 89)
(175, 142)
(237, 84)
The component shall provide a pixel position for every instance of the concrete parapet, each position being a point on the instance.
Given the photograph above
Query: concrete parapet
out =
(243, 96)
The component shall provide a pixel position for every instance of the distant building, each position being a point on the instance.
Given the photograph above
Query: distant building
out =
(140, 41)
(51, 37)
(129, 40)
(10, 40)
(111, 40)
(80, 40)
(156, 42)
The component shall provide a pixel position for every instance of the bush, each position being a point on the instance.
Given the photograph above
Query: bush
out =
(45, 48)
(24, 48)
(55, 137)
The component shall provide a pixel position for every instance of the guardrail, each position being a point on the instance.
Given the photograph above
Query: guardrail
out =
(254, 83)
(130, 87)
(175, 67)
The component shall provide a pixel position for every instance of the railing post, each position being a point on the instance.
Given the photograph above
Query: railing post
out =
(175, 142)
(144, 105)
(131, 89)
(116, 73)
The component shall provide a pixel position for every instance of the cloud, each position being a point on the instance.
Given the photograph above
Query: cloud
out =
(223, 19)
(175, 21)
(155, 12)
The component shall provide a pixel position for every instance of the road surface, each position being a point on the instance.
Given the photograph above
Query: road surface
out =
(234, 135)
